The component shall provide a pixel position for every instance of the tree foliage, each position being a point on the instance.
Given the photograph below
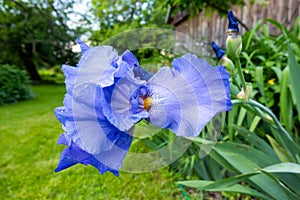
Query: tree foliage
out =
(34, 34)
(133, 20)
(120, 15)
(194, 6)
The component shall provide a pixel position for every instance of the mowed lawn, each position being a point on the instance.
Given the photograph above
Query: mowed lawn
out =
(29, 154)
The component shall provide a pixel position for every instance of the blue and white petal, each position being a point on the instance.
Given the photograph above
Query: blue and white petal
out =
(138, 71)
(91, 138)
(96, 66)
(84, 47)
(116, 102)
(70, 73)
(187, 97)
(73, 154)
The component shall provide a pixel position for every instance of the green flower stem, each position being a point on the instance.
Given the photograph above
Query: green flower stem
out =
(235, 82)
(241, 76)
(266, 110)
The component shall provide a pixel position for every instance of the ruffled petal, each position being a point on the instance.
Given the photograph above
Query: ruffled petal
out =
(84, 47)
(216, 79)
(138, 71)
(129, 58)
(91, 124)
(116, 102)
(96, 66)
(73, 154)
(70, 73)
(90, 137)
(123, 69)
(141, 73)
(187, 97)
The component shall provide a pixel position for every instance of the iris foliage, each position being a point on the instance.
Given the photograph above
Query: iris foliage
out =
(258, 154)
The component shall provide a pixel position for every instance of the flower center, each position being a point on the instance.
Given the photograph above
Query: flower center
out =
(147, 103)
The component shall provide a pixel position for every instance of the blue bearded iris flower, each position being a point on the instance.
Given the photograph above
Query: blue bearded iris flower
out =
(108, 94)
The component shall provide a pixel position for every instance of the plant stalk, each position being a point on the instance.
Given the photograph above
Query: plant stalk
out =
(266, 110)
(241, 76)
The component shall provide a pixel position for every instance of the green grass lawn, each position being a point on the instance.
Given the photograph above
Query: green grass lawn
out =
(29, 154)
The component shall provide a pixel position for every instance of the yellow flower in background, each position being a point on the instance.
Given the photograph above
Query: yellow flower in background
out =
(272, 81)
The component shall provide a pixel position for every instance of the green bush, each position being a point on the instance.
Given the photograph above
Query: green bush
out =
(53, 75)
(266, 61)
(14, 85)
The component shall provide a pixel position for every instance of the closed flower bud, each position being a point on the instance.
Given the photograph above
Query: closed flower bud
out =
(218, 51)
(224, 60)
(245, 95)
(234, 40)
(268, 117)
(228, 64)
(233, 25)
(233, 44)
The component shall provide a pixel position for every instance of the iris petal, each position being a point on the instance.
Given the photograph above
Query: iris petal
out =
(73, 154)
(141, 73)
(95, 66)
(117, 105)
(187, 97)
(70, 76)
(200, 71)
(129, 58)
(84, 47)
(88, 129)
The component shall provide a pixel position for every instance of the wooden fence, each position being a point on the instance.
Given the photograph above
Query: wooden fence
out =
(205, 29)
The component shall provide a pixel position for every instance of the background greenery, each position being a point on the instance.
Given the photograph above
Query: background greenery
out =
(14, 85)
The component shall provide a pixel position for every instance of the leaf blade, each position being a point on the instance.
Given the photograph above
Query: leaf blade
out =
(294, 76)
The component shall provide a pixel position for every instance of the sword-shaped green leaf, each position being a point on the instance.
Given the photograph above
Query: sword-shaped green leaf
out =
(295, 78)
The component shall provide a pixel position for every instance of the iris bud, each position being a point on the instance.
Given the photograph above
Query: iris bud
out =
(234, 40)
(244, 95)
(224, 60)
(268, 117)
(232, 22)
(233, 44)
(228, 64)
(218, 51)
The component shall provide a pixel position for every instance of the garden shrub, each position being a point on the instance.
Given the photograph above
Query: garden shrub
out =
(14, 85)
(52, 75)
